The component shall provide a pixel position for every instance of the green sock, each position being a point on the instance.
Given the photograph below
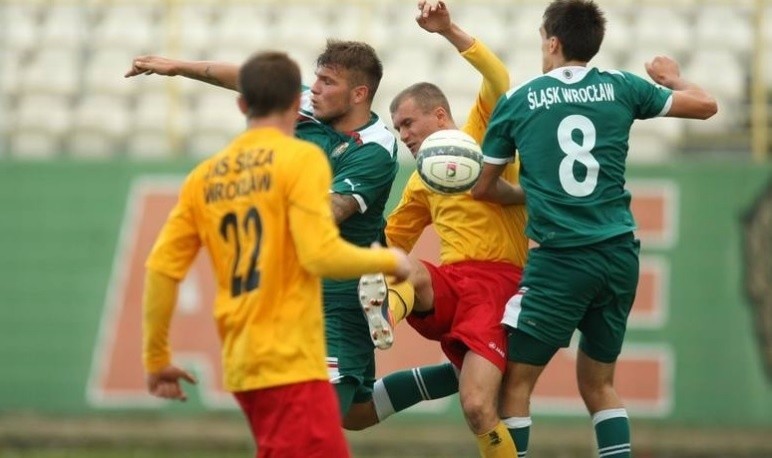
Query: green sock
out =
(520, 430)
(612, 431)
(402, 389)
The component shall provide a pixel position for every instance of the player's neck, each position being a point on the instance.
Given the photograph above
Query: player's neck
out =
(353, 120)
(282, 122)
(560, 63)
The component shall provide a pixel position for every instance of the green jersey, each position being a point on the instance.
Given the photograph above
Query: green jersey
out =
(364, 165)
(571, 128)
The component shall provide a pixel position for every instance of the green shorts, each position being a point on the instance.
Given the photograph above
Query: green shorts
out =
(350, 350)
(590, 288)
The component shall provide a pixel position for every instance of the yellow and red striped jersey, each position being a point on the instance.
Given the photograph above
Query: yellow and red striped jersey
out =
(261, 207)
(468, 229)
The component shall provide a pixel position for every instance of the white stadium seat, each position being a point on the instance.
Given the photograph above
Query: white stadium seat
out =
(129, 27)
(52, 71)
(662, 30)
(64, 26)
(722, 27)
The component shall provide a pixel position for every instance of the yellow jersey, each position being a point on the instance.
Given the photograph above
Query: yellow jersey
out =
(261, 207)
(468, 229)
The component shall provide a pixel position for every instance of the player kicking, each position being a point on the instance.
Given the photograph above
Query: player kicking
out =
(482, 251)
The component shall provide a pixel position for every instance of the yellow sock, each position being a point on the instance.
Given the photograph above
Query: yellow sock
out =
(401, 299)
(496, 443)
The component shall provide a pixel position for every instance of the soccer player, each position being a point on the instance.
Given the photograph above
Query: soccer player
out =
(334, 114)
(483, 249)
(571, 128)
(261, 207)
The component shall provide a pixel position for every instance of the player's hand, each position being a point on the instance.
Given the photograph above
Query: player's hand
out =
(148, 65)
(404, 265)
(663, 70)
(433, 16)
(166, 383)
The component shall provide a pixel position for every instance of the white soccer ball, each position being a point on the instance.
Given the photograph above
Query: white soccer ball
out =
(449, 161)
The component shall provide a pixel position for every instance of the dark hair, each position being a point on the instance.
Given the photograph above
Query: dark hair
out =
(360, 59)
(578, 24)
(270, 83)
(426, 95)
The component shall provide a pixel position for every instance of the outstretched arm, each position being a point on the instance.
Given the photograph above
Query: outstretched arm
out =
(221, 74)
(689, 100)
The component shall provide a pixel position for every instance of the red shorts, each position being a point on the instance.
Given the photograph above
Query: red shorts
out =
(469, 300)
(300, 420)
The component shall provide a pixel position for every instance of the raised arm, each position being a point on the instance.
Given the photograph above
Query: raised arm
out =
(435, 17)
(689, 100)
(221, 74)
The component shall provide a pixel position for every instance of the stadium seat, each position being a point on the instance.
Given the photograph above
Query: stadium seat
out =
(723, 27)
(34, 145)
(303, 25)
(64, 26)
(244, 25)
(52, 71)
(655, 140)
(20, 25)
(150, 145)
(161, 112)
(104, 69)
(39, 123)
(488, 22)
(10, 71)
(127, 27)
(404, 66)
(44, 113)
(660, 30)
(719, 72)
(617, 38)
(217, 112)
(524, 29)
(189, 30)
(100, 124)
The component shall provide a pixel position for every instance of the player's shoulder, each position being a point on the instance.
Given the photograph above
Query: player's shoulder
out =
(375, 136)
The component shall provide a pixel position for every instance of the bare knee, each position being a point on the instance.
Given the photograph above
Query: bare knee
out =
(479, 411)
(360, 416)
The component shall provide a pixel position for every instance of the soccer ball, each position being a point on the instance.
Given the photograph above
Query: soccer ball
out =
(449, 161)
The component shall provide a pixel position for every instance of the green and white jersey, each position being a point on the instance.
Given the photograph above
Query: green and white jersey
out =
(364, 165)
(571, 128)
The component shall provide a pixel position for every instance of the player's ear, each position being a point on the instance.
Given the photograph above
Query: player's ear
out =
(361, 93)
(243, 105)
(554, 45)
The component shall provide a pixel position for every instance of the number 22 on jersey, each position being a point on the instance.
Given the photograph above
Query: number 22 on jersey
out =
(239, 233)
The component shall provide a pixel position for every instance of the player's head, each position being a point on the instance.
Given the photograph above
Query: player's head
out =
(419, 111)
(347, 75)
(571, 31)
(269, 83)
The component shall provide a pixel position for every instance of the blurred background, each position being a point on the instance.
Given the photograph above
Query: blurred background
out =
(90, 163)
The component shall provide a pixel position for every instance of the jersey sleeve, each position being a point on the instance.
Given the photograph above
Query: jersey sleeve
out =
(495, 84)
(406, 223)
(317, 240)
(178, 243)
(364, 173)
(650, 100)
(499, 145)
